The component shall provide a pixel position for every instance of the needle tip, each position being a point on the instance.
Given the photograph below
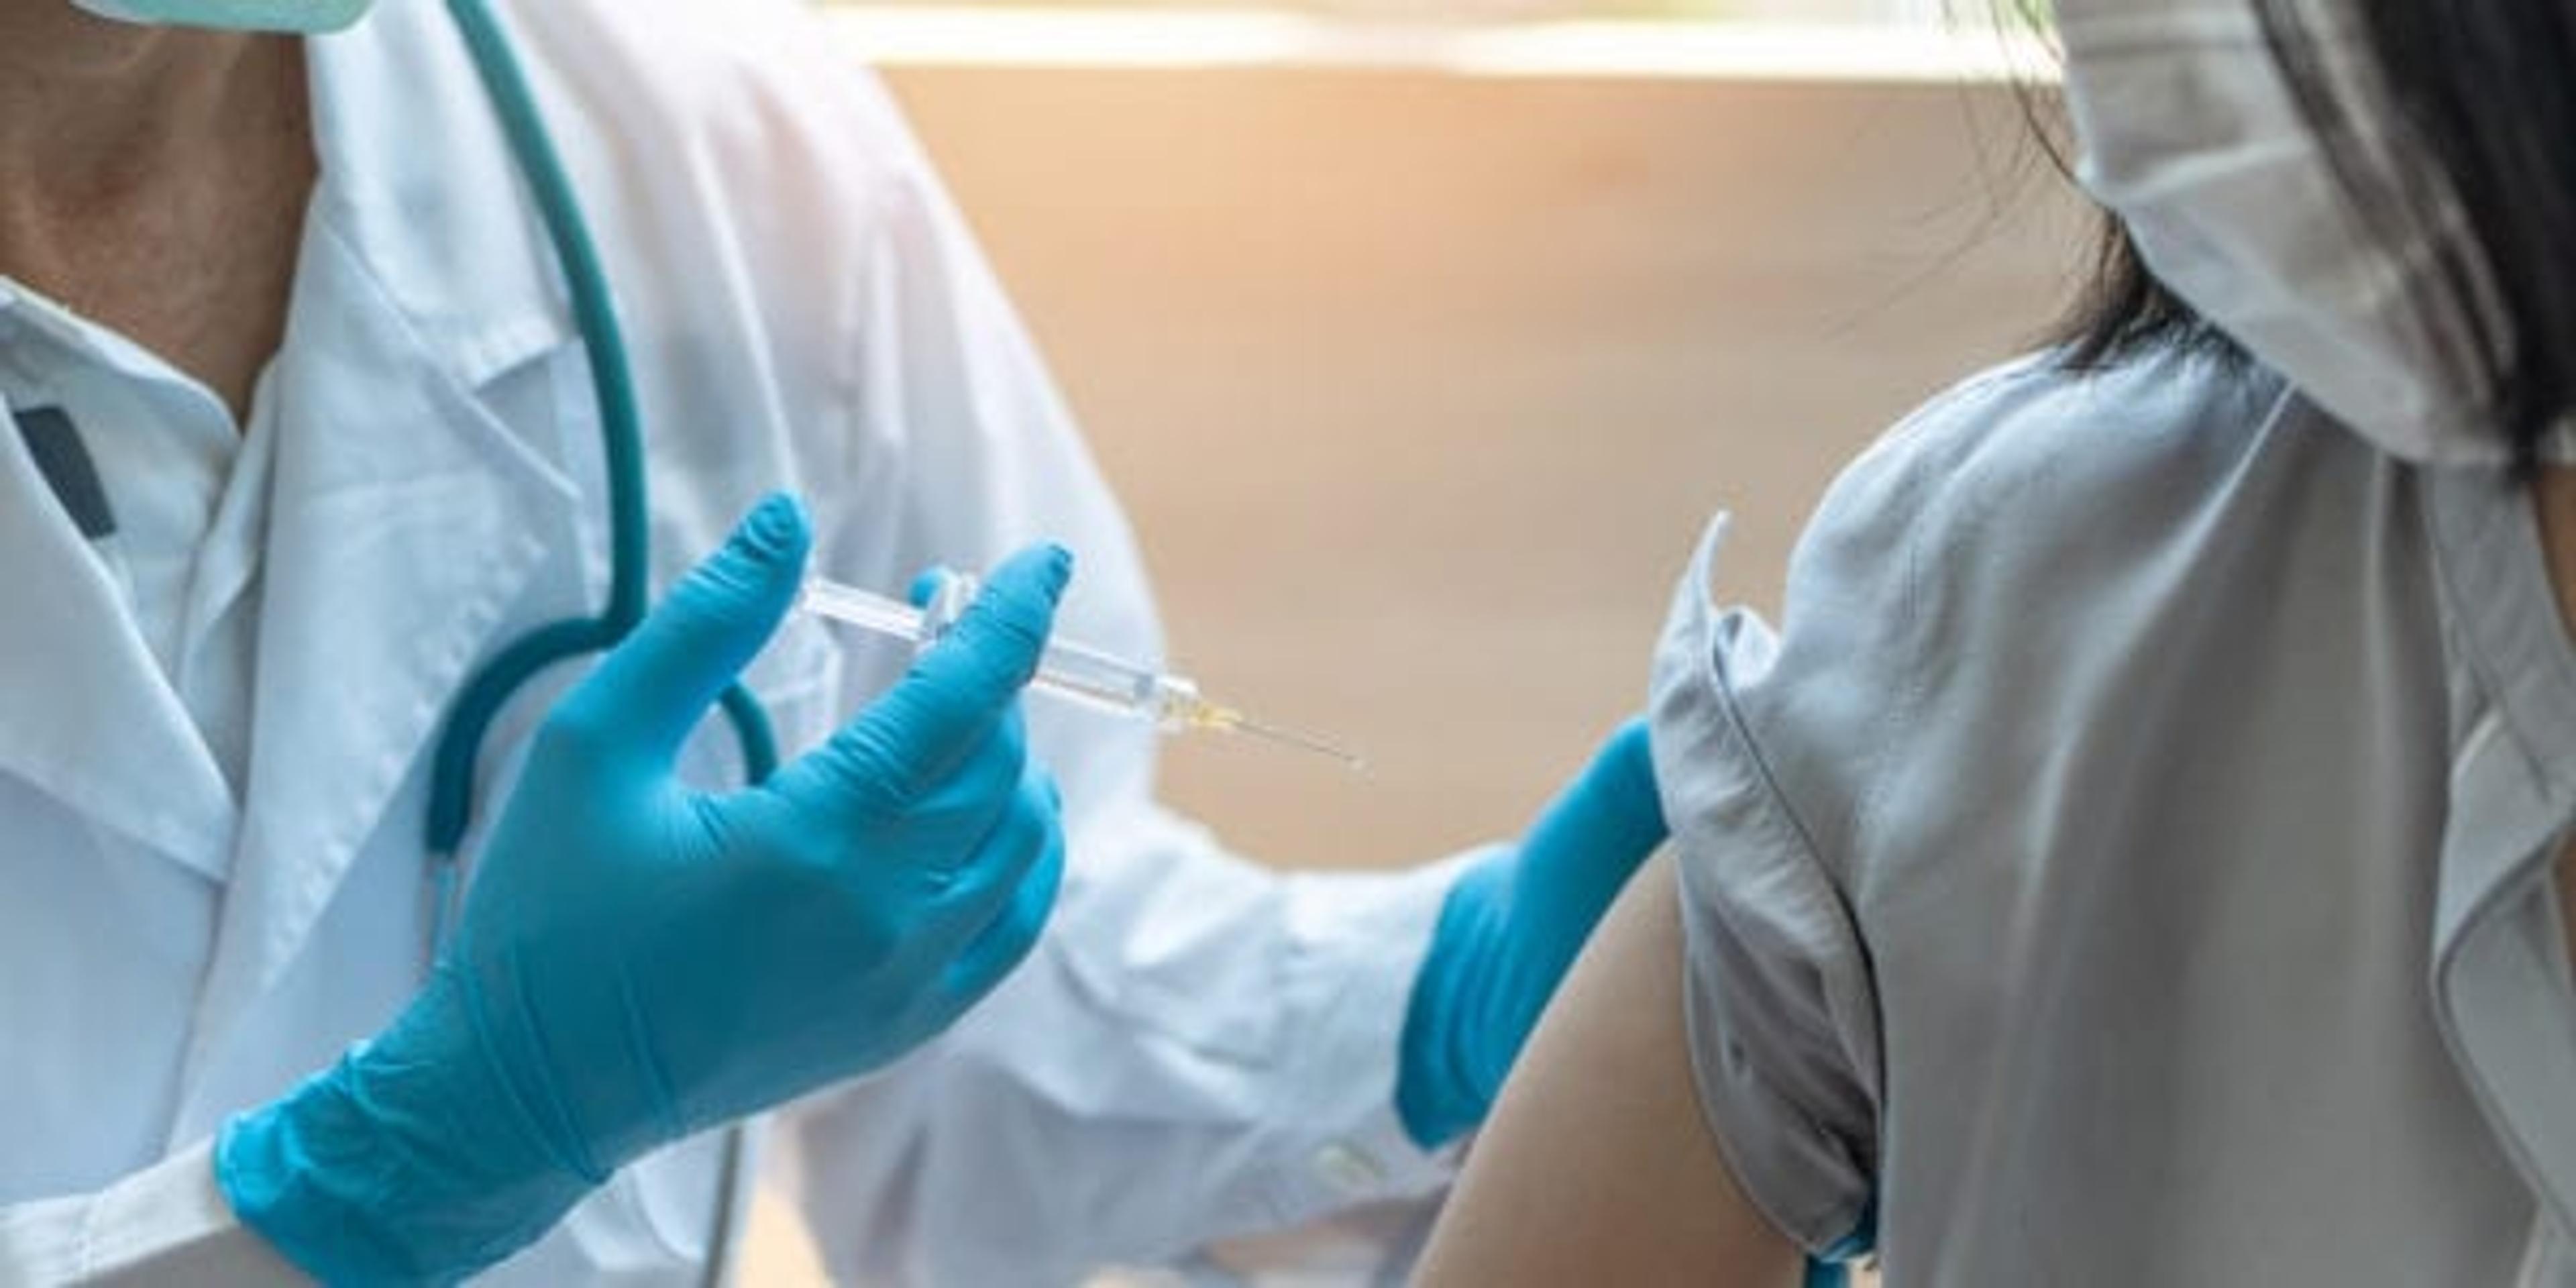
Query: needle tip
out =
(1350, 760)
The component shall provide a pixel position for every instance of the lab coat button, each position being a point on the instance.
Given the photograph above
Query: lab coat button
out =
(1349, 1168)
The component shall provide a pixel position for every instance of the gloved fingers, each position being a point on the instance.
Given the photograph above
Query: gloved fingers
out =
(652, 689)
(1584, 845)
(993, 649)
(1004, 942)
(980, 882)
(956, 692)
(947, 821)
(843, 785)
(958, 815)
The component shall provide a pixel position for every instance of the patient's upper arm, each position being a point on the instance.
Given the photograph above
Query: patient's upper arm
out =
(1598, 1166)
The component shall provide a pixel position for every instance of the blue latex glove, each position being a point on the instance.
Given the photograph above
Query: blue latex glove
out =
(1509, 931)
(636, 961)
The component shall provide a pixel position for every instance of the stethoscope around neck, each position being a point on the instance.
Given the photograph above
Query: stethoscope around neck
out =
(489, 688)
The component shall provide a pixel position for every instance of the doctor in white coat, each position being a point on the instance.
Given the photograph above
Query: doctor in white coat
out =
(300, 430)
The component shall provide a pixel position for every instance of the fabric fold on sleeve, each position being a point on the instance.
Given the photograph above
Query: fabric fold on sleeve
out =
(1781, 1009)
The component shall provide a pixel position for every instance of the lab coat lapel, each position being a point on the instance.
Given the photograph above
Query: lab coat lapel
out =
(2501, 987)
(85, 714)
(409, 515)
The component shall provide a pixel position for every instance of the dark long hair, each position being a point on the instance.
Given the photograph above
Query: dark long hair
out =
(2474, 108)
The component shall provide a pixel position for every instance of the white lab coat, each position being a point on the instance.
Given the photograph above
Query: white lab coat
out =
(1196, 1049)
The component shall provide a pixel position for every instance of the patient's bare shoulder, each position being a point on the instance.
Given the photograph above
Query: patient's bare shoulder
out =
(1597, 1166)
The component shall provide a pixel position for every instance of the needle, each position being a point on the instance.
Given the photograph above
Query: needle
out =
(1232, 721)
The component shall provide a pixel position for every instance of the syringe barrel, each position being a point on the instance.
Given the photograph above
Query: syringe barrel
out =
(1107, 683)
(874, 613)
(1082, 674)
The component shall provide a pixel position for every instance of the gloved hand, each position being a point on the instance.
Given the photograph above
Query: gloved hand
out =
(636, 961)
(1510, 930)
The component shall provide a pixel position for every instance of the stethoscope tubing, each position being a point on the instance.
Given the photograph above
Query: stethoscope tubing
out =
(488, 690)
(621, 437)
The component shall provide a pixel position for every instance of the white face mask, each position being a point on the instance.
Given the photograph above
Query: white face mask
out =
(2190, 134)
(301, 17)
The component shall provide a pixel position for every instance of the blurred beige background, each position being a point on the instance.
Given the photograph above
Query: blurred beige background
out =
(1419, 387)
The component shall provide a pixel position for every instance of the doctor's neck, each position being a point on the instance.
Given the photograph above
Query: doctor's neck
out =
(155, 179)
(90, 107)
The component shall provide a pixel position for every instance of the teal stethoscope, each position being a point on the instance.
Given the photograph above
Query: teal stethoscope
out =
(451, 792)
(451, 797)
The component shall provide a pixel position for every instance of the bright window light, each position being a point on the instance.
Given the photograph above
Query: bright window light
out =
(978, 35)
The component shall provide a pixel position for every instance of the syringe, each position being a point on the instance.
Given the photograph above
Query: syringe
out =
(1076, 672)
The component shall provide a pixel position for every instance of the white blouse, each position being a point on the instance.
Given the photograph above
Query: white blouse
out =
(2130, 863)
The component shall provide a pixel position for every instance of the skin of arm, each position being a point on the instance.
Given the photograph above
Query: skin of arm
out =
(1597, 1166)
(2554, 501)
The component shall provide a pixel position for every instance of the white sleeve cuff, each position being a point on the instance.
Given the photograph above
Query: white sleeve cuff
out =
(167, 1224)
(1360, 942)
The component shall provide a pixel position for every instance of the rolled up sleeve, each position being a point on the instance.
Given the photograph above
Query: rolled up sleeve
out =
(1781, 1010)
